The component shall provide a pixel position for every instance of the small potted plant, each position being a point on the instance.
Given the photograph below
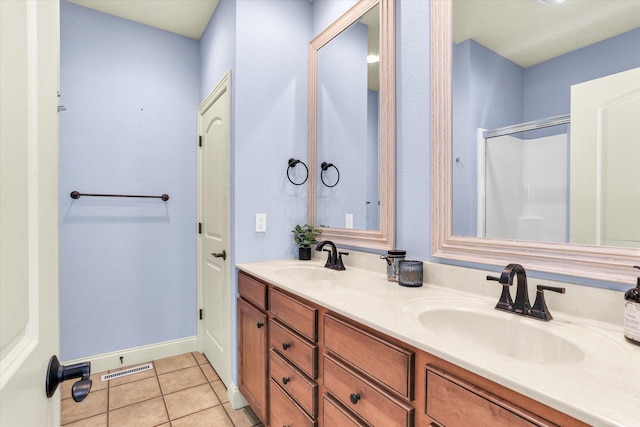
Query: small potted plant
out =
(304, 237)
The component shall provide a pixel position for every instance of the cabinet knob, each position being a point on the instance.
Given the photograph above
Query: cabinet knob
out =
(354, 398)
(285, 345)
(285, 380)
(260, 325)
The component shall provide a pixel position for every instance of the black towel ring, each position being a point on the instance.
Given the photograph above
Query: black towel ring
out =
(324, 166)
(292, 164)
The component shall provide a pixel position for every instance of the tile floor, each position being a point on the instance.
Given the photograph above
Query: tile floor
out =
(180, 391)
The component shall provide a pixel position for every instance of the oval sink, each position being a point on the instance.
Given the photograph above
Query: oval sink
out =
(310, 273)
(513, 336)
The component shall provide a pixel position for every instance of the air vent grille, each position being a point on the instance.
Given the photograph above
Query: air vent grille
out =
(125, 372)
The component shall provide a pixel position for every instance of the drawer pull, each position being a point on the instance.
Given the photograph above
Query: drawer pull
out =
(286, 345)
(260, 325)
(285, 380)
(354, 398)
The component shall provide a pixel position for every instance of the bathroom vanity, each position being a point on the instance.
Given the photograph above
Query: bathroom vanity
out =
(324, 348)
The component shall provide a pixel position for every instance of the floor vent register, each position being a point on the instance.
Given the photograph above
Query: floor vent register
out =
(125, 372)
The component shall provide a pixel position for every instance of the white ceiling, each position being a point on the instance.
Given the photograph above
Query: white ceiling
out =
(532, 31)
(185, 17)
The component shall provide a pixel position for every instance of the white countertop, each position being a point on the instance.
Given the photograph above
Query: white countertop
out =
(601, 389)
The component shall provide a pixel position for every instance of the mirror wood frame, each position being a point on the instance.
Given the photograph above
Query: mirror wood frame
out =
(611, 264)
(384, 238)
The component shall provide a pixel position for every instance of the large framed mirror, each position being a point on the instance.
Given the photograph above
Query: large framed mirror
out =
(577, 249)
(352, 127)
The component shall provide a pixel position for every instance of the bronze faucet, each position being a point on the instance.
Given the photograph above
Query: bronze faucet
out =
(522, 306)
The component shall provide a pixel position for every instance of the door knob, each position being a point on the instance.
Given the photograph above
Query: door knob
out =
(286, 345)
(354, 398)
(57, 373)
(222, 254)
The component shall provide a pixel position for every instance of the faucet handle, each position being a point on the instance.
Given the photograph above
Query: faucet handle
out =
(505, 302)
(339, 264)
(539, 309)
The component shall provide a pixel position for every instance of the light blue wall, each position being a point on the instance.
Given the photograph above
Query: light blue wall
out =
(218, 47)
(413, 129)
(327, 11)
(270, 108)
(127, 266)
(547, 86)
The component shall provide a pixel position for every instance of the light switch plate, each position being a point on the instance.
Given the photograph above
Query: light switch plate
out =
(261, 223)
(348, 221)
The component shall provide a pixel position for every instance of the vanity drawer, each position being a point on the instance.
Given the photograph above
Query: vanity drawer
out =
(295, 314)
(452, 401)
(284, 411)
(294, 348)
(385, 362)
(294, 382)
(371, 403)
(334, 414)
(252, 290)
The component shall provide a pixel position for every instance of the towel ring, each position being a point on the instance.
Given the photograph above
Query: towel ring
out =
(324, 166)
(292, 164)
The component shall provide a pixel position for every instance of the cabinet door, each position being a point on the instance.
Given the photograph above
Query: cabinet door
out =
(252, 357)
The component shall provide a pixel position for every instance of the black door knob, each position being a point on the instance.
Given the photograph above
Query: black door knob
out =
(286, 345)
(285, 380)
(222, 254)
(354, 398)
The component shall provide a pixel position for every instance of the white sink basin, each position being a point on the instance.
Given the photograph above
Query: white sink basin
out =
(475, 326)
(516, 337)
(312, 272)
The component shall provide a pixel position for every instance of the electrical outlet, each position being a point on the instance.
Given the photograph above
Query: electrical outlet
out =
(261, 223)
(348, 221)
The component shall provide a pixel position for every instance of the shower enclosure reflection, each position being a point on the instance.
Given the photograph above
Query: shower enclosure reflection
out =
(523, 183)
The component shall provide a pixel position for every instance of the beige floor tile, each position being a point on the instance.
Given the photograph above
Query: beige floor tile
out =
(211, 417)
(209, 372)
(243, 417)
(174, 363)
(149, 413)
(191, 400)
(94, 404)
(200, 358)
(65, 387)
(97, 421)
(221, 391)
(134, 392)
(179, 380)
(130, 378)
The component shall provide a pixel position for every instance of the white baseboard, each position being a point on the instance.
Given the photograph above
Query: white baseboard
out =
(136, 355)
(236, 399)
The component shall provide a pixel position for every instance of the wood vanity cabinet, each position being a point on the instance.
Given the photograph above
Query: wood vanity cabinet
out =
(368, 374)
(252, 344)
(318, 368)
(293, 360)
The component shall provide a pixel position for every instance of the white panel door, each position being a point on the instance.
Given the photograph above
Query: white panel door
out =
(605, 151)
(214, 206)
(29, 335)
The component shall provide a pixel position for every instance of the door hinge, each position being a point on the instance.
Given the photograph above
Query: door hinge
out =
(199, 228)
(199, 140)
(201, 316)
